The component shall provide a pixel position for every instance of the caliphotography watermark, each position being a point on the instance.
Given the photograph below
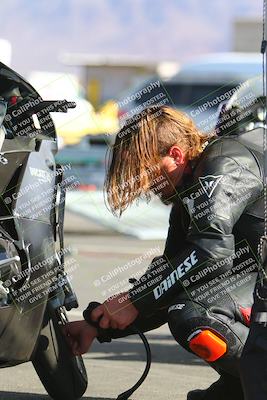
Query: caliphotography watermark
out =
(117, 279)
(35, 283)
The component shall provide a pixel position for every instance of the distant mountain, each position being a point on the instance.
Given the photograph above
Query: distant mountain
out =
(40, 30)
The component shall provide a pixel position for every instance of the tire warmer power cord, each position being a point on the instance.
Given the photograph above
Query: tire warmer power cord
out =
(105, 335)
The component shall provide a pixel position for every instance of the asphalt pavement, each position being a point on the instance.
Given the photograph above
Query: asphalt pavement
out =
(95, 255)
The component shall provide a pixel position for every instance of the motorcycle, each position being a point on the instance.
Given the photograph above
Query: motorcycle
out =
(35, 290)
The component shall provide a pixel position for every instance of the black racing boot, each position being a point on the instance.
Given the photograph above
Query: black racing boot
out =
(227, 387)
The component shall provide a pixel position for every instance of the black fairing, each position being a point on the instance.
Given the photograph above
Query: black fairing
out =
(28, 184)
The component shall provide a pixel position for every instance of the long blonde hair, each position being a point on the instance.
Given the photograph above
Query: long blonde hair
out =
(139, 146)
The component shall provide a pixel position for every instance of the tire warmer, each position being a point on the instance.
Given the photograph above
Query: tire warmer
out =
(254, 358)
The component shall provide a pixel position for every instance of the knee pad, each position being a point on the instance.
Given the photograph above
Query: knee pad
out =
(207, 344)
(215, 334)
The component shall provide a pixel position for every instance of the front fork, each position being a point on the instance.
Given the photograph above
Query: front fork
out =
(64, 295)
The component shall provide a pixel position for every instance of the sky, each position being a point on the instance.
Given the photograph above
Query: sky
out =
(41, 30)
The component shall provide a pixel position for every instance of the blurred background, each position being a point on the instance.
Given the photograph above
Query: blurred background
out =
(114, 57)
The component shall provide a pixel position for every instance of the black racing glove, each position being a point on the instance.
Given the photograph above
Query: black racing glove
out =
(104, 335)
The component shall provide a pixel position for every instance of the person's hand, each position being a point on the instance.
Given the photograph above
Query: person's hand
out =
(79, 336)
(116, 312)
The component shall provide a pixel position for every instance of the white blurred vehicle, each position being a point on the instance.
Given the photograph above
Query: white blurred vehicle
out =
(197, 89)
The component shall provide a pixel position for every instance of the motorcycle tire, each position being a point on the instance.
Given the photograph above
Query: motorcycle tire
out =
(62, 374)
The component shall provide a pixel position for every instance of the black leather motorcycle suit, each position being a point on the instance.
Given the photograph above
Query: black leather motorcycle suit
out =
(205, 279)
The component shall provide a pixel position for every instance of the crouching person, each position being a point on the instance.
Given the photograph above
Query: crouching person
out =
(202, 285)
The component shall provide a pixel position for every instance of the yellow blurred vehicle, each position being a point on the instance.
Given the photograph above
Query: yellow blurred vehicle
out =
(80, 121)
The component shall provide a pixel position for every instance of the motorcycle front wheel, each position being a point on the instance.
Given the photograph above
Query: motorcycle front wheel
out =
(62, 374)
